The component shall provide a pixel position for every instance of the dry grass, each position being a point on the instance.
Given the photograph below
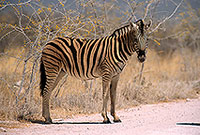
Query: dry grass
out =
(10, 125)
(165, 78)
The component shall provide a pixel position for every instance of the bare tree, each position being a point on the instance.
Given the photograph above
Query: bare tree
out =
(87, 19)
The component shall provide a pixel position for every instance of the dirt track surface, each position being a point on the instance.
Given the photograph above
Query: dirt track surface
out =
(175, 118)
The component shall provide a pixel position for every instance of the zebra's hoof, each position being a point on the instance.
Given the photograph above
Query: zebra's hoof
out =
(117, 121)
(107, 121)
(48, 121)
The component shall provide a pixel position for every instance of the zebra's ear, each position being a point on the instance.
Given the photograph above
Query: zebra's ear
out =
(140, 25)
(133, 25)
(148, 25)
(139, 22)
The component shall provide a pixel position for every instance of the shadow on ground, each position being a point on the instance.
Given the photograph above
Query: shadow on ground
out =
(188, 124)
(64, 122)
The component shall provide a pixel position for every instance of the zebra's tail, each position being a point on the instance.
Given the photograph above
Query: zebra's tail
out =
(43, 78)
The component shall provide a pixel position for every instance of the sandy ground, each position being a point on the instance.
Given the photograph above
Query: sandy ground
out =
(175, 118)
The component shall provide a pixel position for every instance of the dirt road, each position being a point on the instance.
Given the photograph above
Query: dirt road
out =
(175, 118)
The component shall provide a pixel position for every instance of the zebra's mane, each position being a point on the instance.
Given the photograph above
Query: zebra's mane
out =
(121, 31)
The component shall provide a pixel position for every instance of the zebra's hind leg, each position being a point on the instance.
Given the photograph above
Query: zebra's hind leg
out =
(113, 87)
(45, 106)
(106, 89)
(51, 84)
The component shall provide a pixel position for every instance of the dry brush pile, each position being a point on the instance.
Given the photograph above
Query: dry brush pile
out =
(171, 71)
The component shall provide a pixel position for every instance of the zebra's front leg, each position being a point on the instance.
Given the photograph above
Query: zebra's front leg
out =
(106, 89)
(113, 88)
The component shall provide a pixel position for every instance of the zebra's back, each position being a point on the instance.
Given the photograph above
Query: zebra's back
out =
(79, 58)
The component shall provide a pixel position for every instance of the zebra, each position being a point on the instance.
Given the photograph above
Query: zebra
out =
(87, 59)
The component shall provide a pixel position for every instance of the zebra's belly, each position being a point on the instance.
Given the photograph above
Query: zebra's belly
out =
(81, 74)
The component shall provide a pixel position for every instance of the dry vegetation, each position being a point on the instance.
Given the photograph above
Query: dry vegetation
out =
(164, 79)
(171, 71)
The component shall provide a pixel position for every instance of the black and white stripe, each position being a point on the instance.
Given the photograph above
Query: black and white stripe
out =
(88, 58)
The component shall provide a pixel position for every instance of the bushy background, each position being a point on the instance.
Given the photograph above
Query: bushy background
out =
(171, 71)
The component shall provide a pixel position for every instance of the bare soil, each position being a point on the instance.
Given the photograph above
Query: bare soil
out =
(174, 118)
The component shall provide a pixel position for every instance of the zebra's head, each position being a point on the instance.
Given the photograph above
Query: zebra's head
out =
(140, 38)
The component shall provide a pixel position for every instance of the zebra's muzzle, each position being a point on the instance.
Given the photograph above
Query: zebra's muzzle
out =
(141, 56)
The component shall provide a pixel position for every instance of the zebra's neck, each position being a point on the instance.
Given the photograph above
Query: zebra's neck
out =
(119, 48)
(124, 43)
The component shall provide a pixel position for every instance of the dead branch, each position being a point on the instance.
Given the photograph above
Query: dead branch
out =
(147, 9)
(18, 4)
(167, 18)
(140, 74)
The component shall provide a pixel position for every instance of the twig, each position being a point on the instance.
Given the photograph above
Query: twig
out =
(171, 36)
(140, 74)
(12, 4)
(31, 84)
(8, 33)
(167, 18)
(147, 9)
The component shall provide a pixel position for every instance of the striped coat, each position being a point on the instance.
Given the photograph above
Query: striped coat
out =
(91, 58)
